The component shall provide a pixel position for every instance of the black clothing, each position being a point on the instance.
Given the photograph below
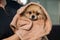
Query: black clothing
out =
(6, 17)
(5, 30)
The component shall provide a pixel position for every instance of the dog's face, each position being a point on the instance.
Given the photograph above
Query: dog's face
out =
(34, 12)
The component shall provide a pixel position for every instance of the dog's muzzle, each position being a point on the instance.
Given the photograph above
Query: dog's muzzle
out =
(33, 17)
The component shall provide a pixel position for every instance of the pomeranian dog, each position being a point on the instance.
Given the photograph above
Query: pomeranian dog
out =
(34, 12)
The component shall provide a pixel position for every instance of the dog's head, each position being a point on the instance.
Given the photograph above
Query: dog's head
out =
(34, 12)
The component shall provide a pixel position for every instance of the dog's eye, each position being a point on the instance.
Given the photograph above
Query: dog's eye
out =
(29, 12)
(37, 13)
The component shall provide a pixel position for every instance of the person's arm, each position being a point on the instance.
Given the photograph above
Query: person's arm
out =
(13, 37)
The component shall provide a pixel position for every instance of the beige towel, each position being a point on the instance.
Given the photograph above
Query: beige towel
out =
(28, 30)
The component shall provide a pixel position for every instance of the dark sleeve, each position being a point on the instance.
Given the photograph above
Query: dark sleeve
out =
(5, 30)
(11, 8)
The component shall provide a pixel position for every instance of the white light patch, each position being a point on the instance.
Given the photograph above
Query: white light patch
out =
(24, 1)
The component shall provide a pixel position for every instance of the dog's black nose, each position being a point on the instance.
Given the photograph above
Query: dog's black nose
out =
(33, 16)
